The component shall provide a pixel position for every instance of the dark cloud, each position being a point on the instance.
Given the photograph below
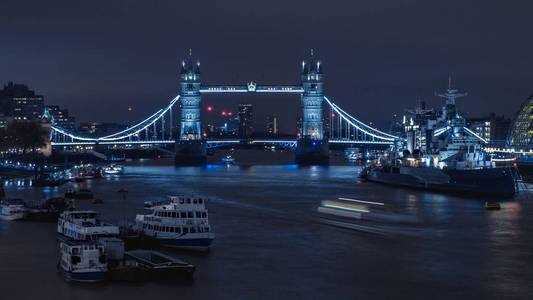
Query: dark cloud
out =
(99, 57)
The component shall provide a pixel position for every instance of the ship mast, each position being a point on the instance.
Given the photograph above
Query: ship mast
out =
(450, 95)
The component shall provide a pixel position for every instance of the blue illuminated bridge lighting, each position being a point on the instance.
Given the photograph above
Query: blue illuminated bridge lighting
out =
(158, 127)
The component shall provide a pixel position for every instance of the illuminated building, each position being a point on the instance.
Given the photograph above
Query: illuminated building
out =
(246, 120)
(21, 103)
(521, 132)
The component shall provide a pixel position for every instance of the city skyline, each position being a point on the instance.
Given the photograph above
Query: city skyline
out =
(394, 65)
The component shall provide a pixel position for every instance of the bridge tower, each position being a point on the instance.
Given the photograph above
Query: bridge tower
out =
(190, 147)
(312, 148)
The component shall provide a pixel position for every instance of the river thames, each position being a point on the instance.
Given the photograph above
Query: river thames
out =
(269, 243)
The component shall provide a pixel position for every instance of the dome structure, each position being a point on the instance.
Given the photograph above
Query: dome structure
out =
(521, 132)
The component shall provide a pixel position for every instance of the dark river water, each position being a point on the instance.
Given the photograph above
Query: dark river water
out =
(269, 243)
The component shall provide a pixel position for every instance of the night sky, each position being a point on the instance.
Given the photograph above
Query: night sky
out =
(97, 58)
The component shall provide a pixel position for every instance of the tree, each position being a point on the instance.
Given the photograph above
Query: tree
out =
(6, 141)
(27, 134)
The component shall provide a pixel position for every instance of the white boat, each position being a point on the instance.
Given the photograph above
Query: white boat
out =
(83, 226)
(182, 223)
(113, 170)
(13, 209)
(83, 261)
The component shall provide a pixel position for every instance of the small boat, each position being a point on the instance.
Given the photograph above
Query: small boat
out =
(83, 226)
(491, 205)
(228, 160)
(12, 209)
(82, 261)
(181, 223)
(113, 170)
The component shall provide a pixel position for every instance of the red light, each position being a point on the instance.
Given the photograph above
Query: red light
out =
(223, 113)
(358, 181)
(333, 115)
(299, 134)
(205, 134)
(130, 109)
(371, 123)
(230, 113)
(209, 108)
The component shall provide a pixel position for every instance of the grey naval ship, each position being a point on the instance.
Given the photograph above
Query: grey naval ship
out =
(441, 154)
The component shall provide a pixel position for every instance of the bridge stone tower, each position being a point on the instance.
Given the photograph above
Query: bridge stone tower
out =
(312, 148)
(190, 148)
(190, 100)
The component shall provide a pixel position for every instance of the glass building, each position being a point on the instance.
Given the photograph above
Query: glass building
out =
(521, 132)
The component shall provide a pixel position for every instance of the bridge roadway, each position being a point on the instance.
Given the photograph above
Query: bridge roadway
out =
(288, 143)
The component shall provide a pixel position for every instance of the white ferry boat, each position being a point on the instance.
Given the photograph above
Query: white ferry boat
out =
(182, 223)
(83, 226)
(82, 261)
(12, 209)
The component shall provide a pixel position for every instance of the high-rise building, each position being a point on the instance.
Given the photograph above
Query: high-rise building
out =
(246, 120)
(21, 103)
(61, 117)
(272, 123)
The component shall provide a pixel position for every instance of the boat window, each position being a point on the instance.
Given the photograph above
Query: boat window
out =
(173, 214)
(206, 229)
(200, 200)
(183, 214)
(178, 229)
(156, 227)
(172, 229)
(193, 230)
(204, 215)
(75, 260)
(194, 201)
(181, 200)
(190, 214)
(198, 214)
(185, 230)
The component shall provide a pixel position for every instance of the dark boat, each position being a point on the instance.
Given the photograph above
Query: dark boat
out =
(48, 211)
(81, 194)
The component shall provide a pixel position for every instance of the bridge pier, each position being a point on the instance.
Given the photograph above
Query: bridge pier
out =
(190, 153)
(312, 152)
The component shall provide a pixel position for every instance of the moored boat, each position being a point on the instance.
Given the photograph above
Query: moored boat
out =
(182, 223)
(82, 261)
(84, 226)
(12, 209)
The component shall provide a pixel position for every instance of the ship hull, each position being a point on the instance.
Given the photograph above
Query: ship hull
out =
(492, 182)
(84, 276)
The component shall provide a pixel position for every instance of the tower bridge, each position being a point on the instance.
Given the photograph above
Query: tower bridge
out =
(311, 147)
